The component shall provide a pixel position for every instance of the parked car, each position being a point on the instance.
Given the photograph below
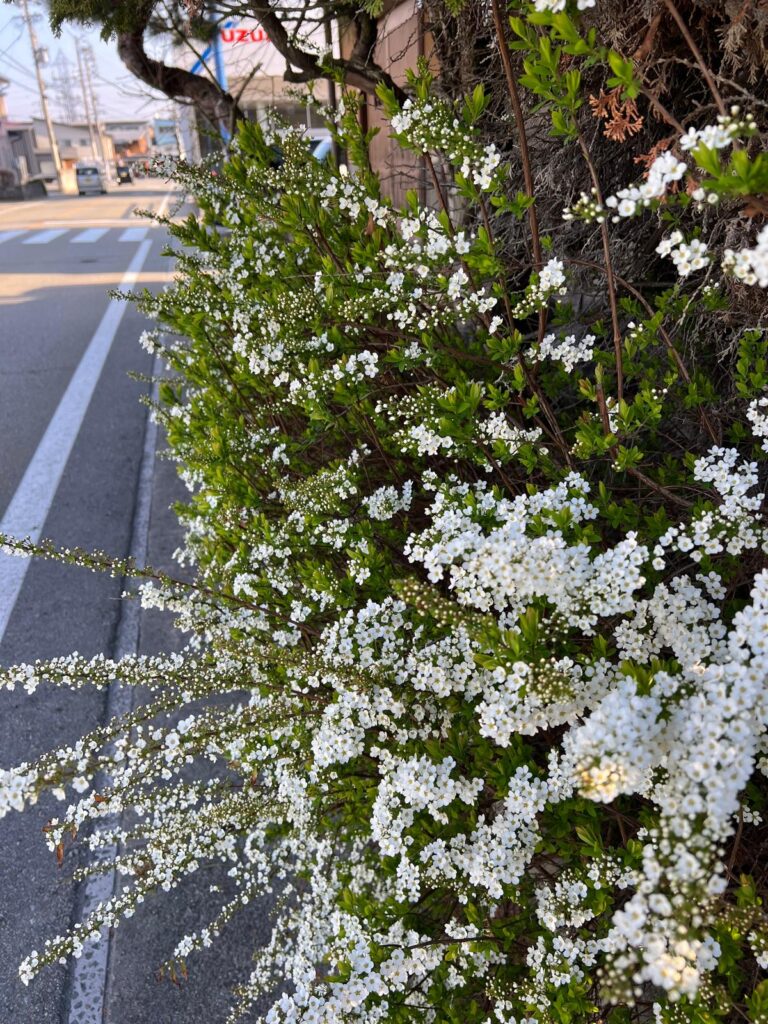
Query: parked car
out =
(124, 174)
(90, 178)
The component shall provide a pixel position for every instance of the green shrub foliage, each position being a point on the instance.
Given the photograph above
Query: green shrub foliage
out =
(480, 588)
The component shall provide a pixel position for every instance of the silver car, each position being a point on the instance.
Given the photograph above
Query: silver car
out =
(90, 178)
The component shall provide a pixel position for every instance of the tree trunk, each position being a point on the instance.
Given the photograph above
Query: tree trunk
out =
(217, 105)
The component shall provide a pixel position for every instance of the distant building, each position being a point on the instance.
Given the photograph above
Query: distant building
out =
(402, 40)
(166, 136)
(74, 142)
(131, 139)
(25, 148)
(254, 71)
(9, 174)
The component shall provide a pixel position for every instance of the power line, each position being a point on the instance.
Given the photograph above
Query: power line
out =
(18, 66)
(21, 85)
(11, 45)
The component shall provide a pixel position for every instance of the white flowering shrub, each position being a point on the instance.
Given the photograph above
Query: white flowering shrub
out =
(481, 586)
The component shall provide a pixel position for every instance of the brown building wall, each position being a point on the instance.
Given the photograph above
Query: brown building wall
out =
(401, 41)
(139, 147)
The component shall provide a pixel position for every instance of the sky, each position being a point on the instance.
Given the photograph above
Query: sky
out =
(119, 94)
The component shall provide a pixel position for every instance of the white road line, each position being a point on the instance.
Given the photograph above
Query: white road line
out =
(90, 974)
(164, 204)
(6, 236)
(29, 507)
(43, 237)
(13, 207)
(85, 222)
(133, 235)
(90, 235)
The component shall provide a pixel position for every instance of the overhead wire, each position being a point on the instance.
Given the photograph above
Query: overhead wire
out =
(20, 85)
(18, 66)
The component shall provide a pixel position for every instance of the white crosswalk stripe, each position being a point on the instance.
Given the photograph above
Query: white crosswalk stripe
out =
(133, 235)
(90, 235)
(43, 237)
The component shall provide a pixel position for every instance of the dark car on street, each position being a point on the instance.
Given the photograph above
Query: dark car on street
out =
(124, 174)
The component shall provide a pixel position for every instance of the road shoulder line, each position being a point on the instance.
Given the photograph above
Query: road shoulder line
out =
(31, 503)
(89, 975)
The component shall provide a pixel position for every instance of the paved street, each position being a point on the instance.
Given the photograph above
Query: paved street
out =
(73, 432)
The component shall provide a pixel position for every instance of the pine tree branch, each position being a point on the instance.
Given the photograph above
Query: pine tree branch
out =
(177, 83)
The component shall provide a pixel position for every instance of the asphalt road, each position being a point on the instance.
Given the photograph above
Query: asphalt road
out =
(72, 433)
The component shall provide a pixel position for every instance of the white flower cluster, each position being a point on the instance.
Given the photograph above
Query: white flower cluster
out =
(406, 788)
(505, 568)
(664, 170)
(720, 135)
(681, 616)
(687, 256)
(423, 440)
(351, 198)
(559, 5)
(432, 126)
(491, 856)
(498, 428)
(551, 279)
(689, 746)
(757, 414)
(733, 525)
(567, 351)
(386, 502)
(616, 748)
(16, 789)
(357, 366)
(749, 265)
(587, 207)
(523, 700)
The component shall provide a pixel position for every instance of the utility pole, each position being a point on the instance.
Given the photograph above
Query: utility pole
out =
(43, 98)
(86, 104)
(89, 62)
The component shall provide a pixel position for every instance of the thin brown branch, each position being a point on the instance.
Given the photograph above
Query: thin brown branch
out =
(359, 70)
(669, 344)
(517, 109)
(697, 55)
(609, 276)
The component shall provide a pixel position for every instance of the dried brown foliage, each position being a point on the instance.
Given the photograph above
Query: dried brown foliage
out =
(621, 115)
